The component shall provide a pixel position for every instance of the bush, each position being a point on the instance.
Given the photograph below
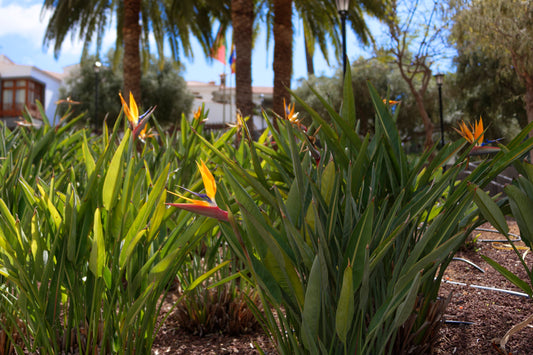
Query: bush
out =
(347, 239)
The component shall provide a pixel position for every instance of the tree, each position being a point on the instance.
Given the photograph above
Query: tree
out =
(483, 86)
(136, 21)
(320, 20)
(415, 40)
(321, 23)
(242, 16)
(164, 88)
(282, 53)
(387, 80)
(501, 29)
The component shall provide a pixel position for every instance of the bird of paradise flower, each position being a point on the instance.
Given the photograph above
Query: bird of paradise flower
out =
(138, 123)
(475, 135)
(291, 116)
(206, 204)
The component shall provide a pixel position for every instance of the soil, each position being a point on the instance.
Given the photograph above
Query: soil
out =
(473, 319)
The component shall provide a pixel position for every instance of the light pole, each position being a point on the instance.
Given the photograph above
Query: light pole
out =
(439, 78)
(342, 8)
(96, 67)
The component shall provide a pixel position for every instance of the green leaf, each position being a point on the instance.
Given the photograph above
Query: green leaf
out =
(56, 217)
(328, 181)
(98, 252)
(509, 275)
(87, 157)
(206, 275)
(345, 306)
(359, 242)
(490, 210)
(113, 178)
(407, 307)
(312, 305)
(522, 208)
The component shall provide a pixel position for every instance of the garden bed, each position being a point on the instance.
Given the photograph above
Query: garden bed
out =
(477, 315)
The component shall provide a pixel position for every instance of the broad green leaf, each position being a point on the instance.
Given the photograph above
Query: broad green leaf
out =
(327, 182)
(56, 217)
(138, 227)
(87, 157)
(509, 275)
(98, 252)
(522, 208)
(490, 210)
(312, 305)
(359, 242)
(407, 307)
(345, 306)
(113, 175)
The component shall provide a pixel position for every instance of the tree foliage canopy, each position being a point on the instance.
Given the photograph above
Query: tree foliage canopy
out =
(163, 88)
(387, 80)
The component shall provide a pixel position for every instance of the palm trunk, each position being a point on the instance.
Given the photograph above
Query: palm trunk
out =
(242, 16)
(131, 32)
(282, 53)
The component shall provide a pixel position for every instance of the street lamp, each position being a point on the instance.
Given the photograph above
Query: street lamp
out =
(96, 68)
(439, 78)
(342, 8)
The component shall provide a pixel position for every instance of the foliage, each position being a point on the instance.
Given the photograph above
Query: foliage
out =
(386, 79)
(87, 245)
(519, 205)
(485, 86)
(219, 305)
(167, 90)
(501, 30)
(163, 88)
(347, 240)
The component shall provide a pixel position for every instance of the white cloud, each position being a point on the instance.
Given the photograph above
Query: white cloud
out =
(24, 19)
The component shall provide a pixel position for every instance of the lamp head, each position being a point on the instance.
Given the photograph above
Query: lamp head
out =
(439, 78)
(96, 66)
(342, 5)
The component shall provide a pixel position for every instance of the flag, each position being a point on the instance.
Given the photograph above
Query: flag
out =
(218, 51)
(232, 59)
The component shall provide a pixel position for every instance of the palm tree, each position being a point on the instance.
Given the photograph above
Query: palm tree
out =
(320, 24)
(135, 20)
(282, 53)
(242, 16)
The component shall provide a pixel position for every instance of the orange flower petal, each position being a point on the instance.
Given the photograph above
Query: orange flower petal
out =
(209, 181)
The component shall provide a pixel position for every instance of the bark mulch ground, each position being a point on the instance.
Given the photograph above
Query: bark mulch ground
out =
(474, 316)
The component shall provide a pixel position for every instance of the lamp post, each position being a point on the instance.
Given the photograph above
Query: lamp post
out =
(439, 78)
(342, 8)
(96, 68)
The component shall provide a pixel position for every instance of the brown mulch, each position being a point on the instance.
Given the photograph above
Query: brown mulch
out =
(492, 313)
(475, 316)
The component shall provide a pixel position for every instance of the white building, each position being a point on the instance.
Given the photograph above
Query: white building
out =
(220, 101)
(21, 86)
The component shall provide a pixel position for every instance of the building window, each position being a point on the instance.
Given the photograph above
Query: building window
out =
(18, 93)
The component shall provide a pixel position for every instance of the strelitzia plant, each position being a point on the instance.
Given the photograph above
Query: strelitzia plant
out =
(137, 123)
(475, 135)
(519, 202)
(205, 204)
(87, 244)
(348, 251)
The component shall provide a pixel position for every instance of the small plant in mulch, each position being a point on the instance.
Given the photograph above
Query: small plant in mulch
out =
(223, 309)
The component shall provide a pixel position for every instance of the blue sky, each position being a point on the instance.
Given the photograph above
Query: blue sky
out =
(21, 35)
